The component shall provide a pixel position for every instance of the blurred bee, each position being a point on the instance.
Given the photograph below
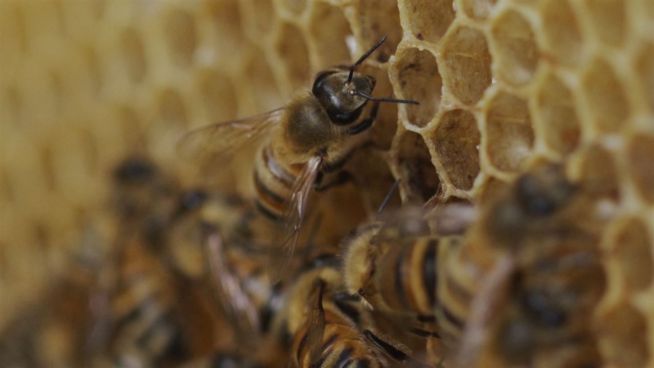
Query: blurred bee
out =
(142, 198)
(107, 290)
(210, 245)
(304, 141)
(526, 273)
(137, 316)
(53, 330)
(393, 265)
(330, 328)
(143, 324)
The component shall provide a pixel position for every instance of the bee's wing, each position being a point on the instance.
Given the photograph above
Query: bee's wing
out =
(217, 141)
(234, 301)
(297, 206)
(452, 218)
(316, 322)
(488, 300)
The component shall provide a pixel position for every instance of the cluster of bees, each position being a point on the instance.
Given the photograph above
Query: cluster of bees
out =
(198, 277)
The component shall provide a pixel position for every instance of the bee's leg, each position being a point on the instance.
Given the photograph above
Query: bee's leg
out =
(341, 178)
(367, 122)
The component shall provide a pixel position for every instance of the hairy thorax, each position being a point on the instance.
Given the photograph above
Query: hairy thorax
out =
(309, 128)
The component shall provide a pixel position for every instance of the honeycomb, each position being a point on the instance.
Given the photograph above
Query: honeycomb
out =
(502, 84)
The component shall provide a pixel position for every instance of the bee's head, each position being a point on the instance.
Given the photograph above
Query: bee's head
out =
(544, 191)
(343, 92)
(134, 171)
(343, 99)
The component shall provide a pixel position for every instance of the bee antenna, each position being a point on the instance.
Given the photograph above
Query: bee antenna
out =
(364, 57)
(388, 196)
(385, 99)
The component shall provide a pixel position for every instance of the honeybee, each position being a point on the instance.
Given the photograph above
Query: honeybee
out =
(395, 268)
(527, 273)
(301, 143)
(143, 198)
(394, 264)
(137, 317)
(210, 244)
(53, 331)
(144, 327)
(198, 213)
(329, 326)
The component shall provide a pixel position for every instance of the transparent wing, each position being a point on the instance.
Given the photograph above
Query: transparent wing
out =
(488, 300)
(235, 302)
(452, 218)
(281, 263)
(316, 322)
(218, 141)
(297, 207)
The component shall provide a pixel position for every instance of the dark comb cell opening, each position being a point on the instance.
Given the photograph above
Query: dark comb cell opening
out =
(47, 167)
(517, 50)
(20, 29)
(90, 58)
(640, 152)
(632, 250)
(510, 137)
(492, 189)
(6, 191)
(377, 19)
(330, 46)
(604, 92)
(598, 173)
(457, 142)
(261, 16)
(13, 104)
(226, 19)
(623, 337)
(59, 90)
(417, 172)
(466, 64)
(556, 111)
(385, 126)
(261, 82)
(291, 47)
(130, 125)
(218, 95)
(417, 74)
(133, 55)
(181, 36)
(645, 73)
(171, 108)
(429, 19)
(609, 20)
(562, 32)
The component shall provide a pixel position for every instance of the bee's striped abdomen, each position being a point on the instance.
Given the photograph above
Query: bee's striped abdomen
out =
(408, 276)
(274, 182)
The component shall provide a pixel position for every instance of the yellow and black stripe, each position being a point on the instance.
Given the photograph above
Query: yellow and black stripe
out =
(407, 276)
(273, 181)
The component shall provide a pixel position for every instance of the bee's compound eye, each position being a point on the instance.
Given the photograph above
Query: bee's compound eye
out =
(534, 197)
(193, 199)
(319, 81)
(134, 170)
